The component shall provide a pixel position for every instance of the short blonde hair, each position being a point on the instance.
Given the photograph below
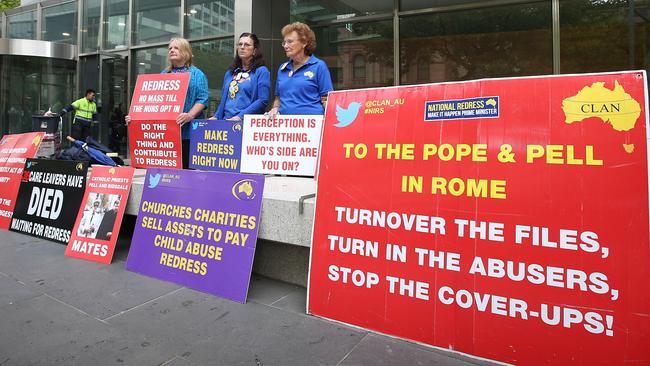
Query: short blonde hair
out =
(305, 34)
(185, 50)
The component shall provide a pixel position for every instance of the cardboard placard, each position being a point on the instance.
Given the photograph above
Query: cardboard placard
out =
(504, 218)
(215, 145)
(155, 144)
(198, 229)
(159, 96)
(287, 145)
(100, 217)
(14, 150)
(49, 198)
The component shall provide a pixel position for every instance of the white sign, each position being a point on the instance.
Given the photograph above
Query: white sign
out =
(287, 144)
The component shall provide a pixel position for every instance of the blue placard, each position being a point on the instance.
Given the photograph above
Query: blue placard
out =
(483, 107)
(215, 145)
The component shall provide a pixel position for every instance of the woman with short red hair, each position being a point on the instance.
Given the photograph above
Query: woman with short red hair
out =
(304, 81)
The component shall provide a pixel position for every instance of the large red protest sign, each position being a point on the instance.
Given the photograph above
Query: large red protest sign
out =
(14, 149)
(155, 144)
(506, 219)
(159, 96)
(100, 216)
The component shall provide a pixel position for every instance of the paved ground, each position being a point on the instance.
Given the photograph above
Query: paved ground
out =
(56, 310)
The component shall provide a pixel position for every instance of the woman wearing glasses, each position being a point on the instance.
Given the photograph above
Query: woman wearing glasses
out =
(303, 81)
(247, 83)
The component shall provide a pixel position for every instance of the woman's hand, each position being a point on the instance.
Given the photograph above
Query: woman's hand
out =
(273, 112)
(127, 119)
(234, 118)
(183, 118)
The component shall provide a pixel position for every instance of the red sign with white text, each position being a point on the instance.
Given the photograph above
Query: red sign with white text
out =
(504, 218)
(100, 216)
(155, 144)
(14, 149)
(159, 96)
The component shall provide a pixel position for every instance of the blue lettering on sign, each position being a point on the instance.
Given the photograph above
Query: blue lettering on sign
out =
(483, 107)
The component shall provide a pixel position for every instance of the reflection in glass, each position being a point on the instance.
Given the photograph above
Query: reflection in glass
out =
(156, 20)
(30, 86)
(209, 18)
(117, 14)
(341, 45)
(314, 11)
(22, 26)
(60, 23)
(603, 35)
(492, 42)
(90, 25)
(427, 4)
(213, 58)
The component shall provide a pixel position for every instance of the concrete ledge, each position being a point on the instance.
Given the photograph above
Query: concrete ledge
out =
(281, 220)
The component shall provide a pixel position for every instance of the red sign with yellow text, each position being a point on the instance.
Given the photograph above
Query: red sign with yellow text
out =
(100, 216)
(506, 219)
(155, 144)
(14, 149)
(159, 96)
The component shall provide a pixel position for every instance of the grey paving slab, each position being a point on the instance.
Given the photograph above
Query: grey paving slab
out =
(97, 289)
(43, 331)
(207, 330)
(381, 350)
(295, 301)
(12, 291)
(266, 291)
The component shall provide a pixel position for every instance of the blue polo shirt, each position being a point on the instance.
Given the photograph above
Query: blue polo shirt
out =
(300, 93)
(251, 98)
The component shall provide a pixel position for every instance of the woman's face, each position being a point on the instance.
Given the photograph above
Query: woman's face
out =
(174, 54)
(246, 48)
(293, 46)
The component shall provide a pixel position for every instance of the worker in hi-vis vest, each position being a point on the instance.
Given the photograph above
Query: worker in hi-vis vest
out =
(84, 108)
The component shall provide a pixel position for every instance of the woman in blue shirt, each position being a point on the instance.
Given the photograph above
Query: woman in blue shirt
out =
(247, 83)
(303, 81)
(179, 56)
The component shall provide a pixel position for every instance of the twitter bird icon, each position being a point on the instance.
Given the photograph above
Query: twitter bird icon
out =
(154, 180)
(347, 116)
(195, 125)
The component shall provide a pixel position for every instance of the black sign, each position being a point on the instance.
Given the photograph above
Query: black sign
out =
(49, 198)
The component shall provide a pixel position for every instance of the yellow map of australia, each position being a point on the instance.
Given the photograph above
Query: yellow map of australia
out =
(615, 107)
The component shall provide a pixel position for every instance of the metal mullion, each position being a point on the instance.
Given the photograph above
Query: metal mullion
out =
(555, 12)
(396, 44)
(182, 20)
(39, 22)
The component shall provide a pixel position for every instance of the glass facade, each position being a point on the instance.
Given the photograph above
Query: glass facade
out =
(156, 20)
(447, 40)
(117, 24)
(31, 85)
(513, 40)
(22, 26)
(344, 46)
(604, 35)
(209, 18)
(90, 20)
(59, 23)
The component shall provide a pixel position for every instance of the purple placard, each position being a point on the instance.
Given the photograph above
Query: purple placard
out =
(217, 212)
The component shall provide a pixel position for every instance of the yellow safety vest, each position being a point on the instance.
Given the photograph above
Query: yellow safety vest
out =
(85, 108)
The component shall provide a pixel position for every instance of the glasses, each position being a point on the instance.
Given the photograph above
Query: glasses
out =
(288, 42)
(244, 45)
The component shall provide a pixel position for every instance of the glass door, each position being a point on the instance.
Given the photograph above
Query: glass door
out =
(112, 129)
